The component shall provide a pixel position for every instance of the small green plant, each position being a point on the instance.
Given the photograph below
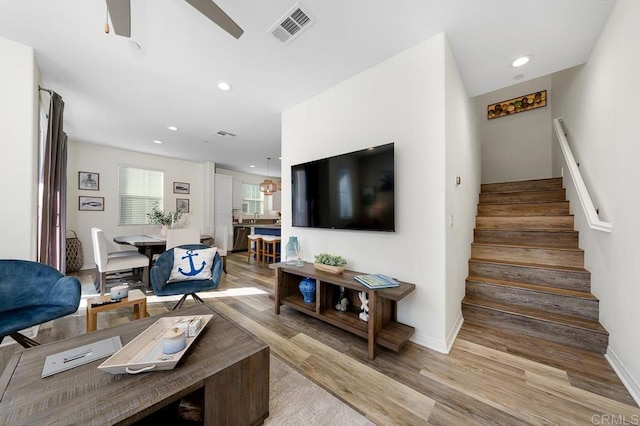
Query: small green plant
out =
(330, 259)
(158, 217)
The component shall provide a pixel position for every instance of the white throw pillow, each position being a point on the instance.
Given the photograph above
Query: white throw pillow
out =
(192, 264)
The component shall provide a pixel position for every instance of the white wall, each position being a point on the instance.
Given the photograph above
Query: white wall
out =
(463, 161)
(401, 100)
(104, 160)
(516, 147)
(599, 106)
(19, 143)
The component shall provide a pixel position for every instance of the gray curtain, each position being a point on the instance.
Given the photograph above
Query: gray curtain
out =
(53, 181)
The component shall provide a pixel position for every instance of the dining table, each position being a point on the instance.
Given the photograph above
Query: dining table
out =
(149, 244)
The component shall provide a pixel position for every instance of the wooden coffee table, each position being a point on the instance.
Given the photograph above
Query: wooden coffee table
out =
(230, 364)
(135, 298)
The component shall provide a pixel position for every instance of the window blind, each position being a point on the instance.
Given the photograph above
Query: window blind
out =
(138, 191)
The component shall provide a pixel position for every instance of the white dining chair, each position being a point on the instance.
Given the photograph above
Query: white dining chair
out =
(116, 261)
(221, 242)
(176, 237)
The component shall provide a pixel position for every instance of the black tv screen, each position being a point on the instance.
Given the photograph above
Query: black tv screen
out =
(348, 191)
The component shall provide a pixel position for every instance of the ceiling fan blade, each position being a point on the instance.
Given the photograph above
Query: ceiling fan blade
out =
(120, 13)
(211, 10)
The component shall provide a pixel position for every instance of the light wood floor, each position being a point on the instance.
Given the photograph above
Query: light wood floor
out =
(488, 378)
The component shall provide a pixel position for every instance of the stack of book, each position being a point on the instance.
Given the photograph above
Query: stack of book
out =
(376, 281)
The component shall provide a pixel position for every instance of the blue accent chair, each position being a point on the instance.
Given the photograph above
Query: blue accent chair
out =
(32, 293)
(161, 271)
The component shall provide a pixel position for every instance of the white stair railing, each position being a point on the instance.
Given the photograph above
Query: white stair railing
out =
(583, 194)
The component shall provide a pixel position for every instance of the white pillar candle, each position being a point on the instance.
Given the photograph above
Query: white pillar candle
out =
(173, 341)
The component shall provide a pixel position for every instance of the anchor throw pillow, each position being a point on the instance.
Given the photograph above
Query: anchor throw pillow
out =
(192, 264)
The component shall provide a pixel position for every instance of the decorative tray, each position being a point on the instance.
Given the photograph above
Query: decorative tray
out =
(144, 353)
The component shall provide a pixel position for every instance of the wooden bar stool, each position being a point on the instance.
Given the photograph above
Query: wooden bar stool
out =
(254, 246)
(270, 248)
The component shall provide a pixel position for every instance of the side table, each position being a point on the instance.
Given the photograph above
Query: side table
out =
(135, 298)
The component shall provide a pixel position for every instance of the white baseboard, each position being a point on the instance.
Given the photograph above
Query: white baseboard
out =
(442, 346)
(453, 333)
(626, 378)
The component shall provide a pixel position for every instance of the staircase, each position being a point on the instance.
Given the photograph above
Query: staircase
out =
(526, 272)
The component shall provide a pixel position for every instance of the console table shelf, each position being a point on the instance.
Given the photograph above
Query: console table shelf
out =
(382, 328)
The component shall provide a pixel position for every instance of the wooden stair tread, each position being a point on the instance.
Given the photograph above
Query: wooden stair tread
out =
(517, 197)
(539, 315)
(537, 203)
(525, 246)
(522, 186)
(518, 191)
(530, 265)
(536, 214)
(526, 181)
(549, 230)
(533, 287)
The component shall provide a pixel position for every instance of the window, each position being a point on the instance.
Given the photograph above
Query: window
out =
(252, 199)
(138, 191)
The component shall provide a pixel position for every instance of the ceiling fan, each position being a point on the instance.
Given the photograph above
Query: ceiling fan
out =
(120, 13)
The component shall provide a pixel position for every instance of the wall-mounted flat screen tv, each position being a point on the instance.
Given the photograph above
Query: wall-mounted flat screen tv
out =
(348, 191)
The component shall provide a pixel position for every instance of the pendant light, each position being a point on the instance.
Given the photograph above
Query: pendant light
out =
(268, 186)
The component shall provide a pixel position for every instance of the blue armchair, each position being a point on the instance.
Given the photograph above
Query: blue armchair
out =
(161, 272)
(32, 293)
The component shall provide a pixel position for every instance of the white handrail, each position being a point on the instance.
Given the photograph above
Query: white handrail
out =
(583, 194)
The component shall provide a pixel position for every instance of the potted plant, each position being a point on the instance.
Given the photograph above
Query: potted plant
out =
(329, 263)
(158, 217)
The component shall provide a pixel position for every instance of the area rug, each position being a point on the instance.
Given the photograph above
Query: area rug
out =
(296, 400)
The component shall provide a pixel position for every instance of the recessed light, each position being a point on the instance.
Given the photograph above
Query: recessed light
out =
(522, 60)
(157, 141)
(518, 76)
(223, 85)
(279, 158)
(173, 128)
(252, 166)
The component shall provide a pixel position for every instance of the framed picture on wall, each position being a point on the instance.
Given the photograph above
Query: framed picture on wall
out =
(91, 203)
(88, 181)
(180, 188)
(182, 205)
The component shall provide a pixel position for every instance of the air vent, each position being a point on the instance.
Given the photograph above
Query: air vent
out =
(292, 24)
(225, 135)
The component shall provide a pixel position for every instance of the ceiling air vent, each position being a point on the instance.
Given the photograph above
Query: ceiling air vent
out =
(225, 135)
(292, 24)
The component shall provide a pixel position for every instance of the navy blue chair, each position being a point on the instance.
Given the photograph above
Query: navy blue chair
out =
(32, 293)
(161, 271)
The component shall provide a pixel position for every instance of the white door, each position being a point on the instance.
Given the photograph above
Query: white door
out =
(223, 203)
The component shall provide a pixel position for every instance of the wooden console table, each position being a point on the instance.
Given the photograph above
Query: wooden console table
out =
(226, 361)
(382, 328)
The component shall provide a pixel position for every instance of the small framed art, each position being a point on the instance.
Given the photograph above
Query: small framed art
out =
(91, 203)
(182, 205)
(88, 181)
(180, 188)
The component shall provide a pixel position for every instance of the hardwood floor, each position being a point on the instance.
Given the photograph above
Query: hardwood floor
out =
(488, 378)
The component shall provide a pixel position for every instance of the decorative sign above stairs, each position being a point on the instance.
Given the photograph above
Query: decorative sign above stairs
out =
(516, 105)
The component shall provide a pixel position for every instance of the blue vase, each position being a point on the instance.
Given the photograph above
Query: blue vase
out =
(308, 289)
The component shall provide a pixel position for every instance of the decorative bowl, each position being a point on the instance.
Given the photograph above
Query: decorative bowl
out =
(329, 268)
